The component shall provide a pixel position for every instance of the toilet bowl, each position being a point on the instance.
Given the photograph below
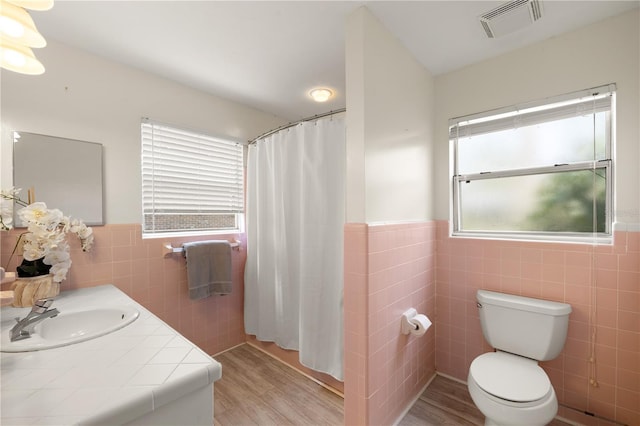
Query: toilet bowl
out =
(508, 386)
(511, 390)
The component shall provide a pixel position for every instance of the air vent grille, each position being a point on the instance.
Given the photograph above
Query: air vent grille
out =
(536, 10)
(510, 17)
(505, 8)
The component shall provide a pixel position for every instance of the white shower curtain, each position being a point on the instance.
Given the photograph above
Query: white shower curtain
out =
(295, 218)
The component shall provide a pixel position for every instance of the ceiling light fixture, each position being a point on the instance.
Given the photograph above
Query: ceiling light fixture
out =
(17, 25)
(321, 94)
(33, 4)
(19, 58)
(18, 34)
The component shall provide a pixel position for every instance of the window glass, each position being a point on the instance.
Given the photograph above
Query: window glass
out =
(551, 202)
(556, 142)
(540, 171)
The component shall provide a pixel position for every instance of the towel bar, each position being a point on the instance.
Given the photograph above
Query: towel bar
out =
(167, 248)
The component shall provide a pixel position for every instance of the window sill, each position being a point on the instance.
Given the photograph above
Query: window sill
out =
(191, 234)
(597, 239)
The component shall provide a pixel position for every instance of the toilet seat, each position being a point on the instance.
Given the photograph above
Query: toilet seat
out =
(510, 378)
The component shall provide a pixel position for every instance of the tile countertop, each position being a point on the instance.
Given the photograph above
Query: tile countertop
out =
(112, 379)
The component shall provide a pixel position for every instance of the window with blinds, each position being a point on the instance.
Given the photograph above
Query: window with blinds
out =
(191, 182)
(536, 171)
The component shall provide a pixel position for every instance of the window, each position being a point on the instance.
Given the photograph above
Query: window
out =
(536, 171)
(190, 182)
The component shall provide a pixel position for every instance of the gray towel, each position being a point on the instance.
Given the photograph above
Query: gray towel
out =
(208, 268)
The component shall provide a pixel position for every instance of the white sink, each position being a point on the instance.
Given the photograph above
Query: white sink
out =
(70, 327)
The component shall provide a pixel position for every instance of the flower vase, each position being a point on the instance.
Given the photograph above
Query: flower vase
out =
(26, 290)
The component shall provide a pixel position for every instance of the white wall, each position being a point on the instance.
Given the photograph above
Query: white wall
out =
(389, 126)
(85, 97)
(605, 52)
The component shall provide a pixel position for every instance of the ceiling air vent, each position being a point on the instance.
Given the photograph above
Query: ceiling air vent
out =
(510, 17)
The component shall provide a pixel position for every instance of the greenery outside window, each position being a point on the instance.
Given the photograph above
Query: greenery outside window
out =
(191, 182)
(541, 171)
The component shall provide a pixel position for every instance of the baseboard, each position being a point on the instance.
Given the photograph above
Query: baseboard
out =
(561, 418)
(324, 385)
(588, 419)
(455, 379)
(414, 400)
(227, 350)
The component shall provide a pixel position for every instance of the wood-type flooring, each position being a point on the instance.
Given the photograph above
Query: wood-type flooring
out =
(447, 402)
(256, 389)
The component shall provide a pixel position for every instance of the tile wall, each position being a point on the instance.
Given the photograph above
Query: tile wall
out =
(139, 268)
(601, 283)
(388, 269)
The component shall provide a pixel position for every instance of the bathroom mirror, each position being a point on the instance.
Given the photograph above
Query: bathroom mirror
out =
(66, 174)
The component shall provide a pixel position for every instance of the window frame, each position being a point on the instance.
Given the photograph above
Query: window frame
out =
(607, 164)
(148, 126)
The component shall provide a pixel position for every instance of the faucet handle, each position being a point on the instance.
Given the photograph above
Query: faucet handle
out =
(41, 305)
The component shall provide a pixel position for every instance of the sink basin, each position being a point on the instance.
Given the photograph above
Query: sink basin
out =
(70, 327)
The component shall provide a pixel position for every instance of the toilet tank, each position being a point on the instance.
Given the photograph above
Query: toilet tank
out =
(533, 328)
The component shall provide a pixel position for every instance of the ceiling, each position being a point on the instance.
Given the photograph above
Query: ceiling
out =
(269, 54)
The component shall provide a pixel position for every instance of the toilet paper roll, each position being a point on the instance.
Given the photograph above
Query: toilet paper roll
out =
(420, 323)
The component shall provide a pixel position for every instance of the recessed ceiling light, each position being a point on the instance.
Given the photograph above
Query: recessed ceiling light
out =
(321, 94)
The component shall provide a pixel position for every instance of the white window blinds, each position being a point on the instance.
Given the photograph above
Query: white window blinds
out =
(188, 173)
(574, 104)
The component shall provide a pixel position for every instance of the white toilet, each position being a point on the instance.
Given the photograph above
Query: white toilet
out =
(508, 386)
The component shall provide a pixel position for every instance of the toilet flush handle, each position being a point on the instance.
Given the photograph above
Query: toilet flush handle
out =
(479, 305)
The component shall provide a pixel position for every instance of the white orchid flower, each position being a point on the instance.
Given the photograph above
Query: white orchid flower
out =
(45, 238)
(32, 251)
(60, 254)
(59, 270)
(34, 213)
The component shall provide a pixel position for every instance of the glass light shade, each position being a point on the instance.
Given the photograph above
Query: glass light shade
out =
(321, 95)
(33, 4)
(18, 58)
(17, 26)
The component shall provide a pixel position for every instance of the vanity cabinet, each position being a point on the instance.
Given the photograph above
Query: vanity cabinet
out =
(145, 373)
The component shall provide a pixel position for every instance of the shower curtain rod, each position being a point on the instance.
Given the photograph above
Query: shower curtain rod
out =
(295, 123)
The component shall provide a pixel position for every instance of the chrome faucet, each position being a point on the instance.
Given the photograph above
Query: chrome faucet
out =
(40, 311)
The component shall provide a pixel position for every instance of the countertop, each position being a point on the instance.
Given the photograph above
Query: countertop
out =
(112, 379)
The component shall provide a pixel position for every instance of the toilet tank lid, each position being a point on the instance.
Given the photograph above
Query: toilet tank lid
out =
(547, 307)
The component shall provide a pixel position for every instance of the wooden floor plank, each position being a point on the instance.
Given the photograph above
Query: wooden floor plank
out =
(444, 386)
(424, 413)
(453, 397)
(256, 389)
(447, 402)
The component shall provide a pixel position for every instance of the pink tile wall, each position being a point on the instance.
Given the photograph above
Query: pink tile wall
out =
(356, 330)
(388, 269)
(601, 283)
(121, 257)
(391, 268)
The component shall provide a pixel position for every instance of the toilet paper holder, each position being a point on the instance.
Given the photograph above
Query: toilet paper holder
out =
(413, 323)
(406, 325)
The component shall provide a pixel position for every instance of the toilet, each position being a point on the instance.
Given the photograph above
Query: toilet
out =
(508, 386)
